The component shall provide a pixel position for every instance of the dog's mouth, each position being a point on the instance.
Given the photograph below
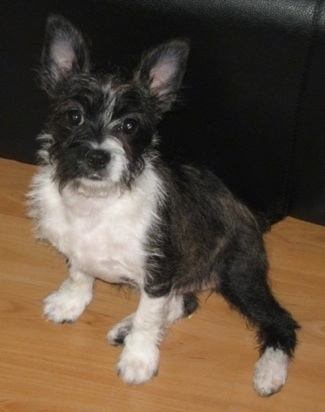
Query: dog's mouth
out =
(95, 176)
(93, 186)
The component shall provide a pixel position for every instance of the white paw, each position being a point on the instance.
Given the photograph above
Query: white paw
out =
(271, 372)
(119, 332)
(66, 305)
(138, 364)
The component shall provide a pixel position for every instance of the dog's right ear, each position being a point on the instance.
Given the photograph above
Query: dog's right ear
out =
(64, 52)
(161, 71)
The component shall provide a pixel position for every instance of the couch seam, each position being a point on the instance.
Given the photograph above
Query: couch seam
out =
(288, 178)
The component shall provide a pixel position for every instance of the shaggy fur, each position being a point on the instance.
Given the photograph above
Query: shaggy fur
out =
(103, 197)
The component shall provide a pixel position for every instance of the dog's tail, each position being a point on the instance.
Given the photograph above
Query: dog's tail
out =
(266, 219)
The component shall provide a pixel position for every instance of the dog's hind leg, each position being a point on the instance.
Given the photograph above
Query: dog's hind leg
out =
(181, 306)
(178, 306)
(247, 290)
(116, 336)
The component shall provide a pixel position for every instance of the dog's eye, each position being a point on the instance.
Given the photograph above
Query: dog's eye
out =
(75, 117)
(130, 125)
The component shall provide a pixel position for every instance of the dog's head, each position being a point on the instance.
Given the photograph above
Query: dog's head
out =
(102, 129)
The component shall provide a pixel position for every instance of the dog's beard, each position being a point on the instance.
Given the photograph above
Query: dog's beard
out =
(72, 172)
(101, 185)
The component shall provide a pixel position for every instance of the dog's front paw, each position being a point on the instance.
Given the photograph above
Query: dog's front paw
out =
(138, 364)
(271, 372)
(65, 305)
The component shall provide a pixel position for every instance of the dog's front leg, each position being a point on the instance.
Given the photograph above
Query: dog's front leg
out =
(140, 357)
(70, 300)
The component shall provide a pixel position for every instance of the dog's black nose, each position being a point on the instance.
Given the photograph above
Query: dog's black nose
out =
(97, 159)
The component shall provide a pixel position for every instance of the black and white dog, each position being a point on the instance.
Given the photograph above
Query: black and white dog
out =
(104, 198)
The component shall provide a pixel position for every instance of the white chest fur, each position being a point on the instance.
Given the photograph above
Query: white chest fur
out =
(102, 236)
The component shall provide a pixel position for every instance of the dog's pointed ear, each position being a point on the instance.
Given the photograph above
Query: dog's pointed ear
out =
(64, 52)
(161, 71)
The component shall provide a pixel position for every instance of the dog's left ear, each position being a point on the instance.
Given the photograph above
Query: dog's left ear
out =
(161, 71)
(64, 52)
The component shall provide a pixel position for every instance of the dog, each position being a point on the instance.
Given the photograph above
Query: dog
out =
(105, 199)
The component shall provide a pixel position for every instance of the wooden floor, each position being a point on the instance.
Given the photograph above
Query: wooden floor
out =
(206, 361)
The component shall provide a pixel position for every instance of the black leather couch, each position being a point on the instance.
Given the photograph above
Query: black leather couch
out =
(255, 92)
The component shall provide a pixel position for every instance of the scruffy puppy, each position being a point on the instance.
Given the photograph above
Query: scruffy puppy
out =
(104, 198)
